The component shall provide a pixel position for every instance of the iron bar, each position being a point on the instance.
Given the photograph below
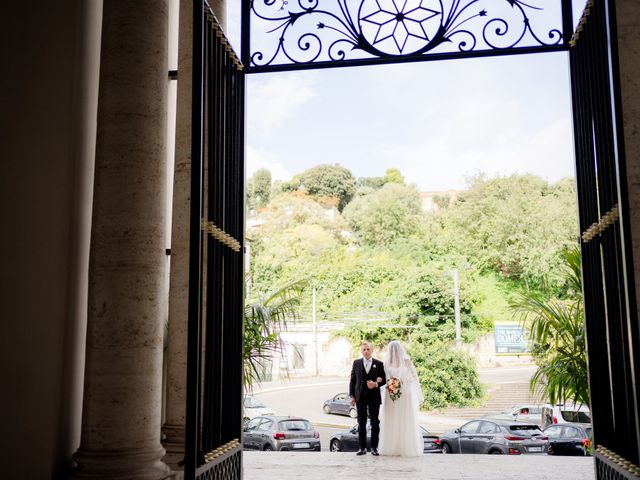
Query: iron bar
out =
(404, 59)
(192, 441)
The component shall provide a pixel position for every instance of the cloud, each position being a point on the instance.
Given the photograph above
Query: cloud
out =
(476, 140)
(257, 159)
(275, 99)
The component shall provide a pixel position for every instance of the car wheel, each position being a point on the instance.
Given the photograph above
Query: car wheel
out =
(268, 448)
(495, 452)
(353, 413)
(326, 409)
(446, 448)
(335, 445)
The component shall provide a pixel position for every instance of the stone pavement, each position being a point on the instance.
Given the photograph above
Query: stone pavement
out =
(331, 465)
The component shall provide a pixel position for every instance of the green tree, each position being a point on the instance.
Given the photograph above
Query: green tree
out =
(447, 376)
(373, 183)
(557, 332)
(263, 320)
(516, 225)
(393, 175)
(326, 181)
(260, 187)
(385, 215)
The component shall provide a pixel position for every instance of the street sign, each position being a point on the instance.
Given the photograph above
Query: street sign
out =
(510, 338)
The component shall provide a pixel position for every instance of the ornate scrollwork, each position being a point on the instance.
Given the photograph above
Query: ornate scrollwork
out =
(311, 31)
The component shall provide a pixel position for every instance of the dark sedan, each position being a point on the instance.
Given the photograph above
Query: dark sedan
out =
(340, 404)
(347, 440)
(495, 436)
(569, 439)
(280, 433)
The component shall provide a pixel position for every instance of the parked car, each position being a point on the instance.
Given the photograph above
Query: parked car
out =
(561, 414)
(253, 407)
(569, 439)
(530, 413)
(340, 404)
(347, 440)
(495, 436)
(280, 434)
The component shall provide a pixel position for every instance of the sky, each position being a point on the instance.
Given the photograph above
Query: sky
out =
(439, 122)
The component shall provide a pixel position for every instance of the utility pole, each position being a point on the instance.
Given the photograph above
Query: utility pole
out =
(315, 328)
(456, 300)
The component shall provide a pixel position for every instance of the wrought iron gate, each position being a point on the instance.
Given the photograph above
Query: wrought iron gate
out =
(610, 304)
(216, 267)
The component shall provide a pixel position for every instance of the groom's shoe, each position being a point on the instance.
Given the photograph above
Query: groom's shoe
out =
(374, 452)
(361, 452)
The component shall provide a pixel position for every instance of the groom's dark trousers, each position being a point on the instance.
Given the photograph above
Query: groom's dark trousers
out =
(367, 400)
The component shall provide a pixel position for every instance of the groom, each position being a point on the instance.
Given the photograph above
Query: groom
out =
(367, 375)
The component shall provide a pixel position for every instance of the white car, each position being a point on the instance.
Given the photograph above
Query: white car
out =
(560, 414)
(523, 413)
(254, 407)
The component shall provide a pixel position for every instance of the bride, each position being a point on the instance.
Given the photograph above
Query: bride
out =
(400, 433)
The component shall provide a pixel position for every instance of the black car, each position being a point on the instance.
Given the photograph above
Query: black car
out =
(495, 436)
(347, 440)
(280, 433)
(569, 439)
(340, 404)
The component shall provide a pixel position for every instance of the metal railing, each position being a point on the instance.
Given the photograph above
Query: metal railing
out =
(607, 269)
(216, 278)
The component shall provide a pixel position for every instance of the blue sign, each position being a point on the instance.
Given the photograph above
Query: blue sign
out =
(510, 339)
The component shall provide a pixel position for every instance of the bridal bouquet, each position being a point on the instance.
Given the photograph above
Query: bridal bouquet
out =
(394, 388)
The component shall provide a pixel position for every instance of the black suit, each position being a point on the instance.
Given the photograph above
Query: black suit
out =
(367, 399)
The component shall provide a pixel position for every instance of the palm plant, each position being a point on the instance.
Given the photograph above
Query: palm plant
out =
(557, 331)
(263, 322)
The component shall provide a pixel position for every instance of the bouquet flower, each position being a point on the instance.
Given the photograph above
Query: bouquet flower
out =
(394, 387)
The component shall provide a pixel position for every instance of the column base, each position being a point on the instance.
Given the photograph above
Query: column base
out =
(130, 464)
(173, 443)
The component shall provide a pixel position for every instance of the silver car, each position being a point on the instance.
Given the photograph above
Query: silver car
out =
(494, 436)
(280, 434)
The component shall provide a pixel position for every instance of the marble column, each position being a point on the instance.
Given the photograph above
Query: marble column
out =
(123, 381)
(176, 385)
(628, 20)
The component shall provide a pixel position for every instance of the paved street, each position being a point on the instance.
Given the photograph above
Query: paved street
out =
(323, 466)
(304, 397)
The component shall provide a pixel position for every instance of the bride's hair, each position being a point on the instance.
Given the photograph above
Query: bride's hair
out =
(396, 354)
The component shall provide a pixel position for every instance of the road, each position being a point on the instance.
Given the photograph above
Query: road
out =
(305, 397)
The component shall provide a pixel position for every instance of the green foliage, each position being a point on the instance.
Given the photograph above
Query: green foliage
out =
(514, 225)
(447, 376)
(372, 183)
(381, 265)
(385, 215)
(393, 175)
(325, 182)
(259, 189)
(263, 319)
(557, 331)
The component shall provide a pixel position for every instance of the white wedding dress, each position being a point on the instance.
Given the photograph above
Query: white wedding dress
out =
(399, 431)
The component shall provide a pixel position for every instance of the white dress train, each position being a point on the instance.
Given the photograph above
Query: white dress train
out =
(400, 433)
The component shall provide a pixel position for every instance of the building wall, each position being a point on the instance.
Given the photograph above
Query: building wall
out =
(299, 359)
(49, 88)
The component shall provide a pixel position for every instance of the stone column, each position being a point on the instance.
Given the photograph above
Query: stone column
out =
(174, 426)
(123, 380)
(628, 20)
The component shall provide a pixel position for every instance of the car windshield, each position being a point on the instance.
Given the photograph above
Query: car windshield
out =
(589, 432)
(575, 417)
(526, 429)
(294, 425)
(252, 402)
